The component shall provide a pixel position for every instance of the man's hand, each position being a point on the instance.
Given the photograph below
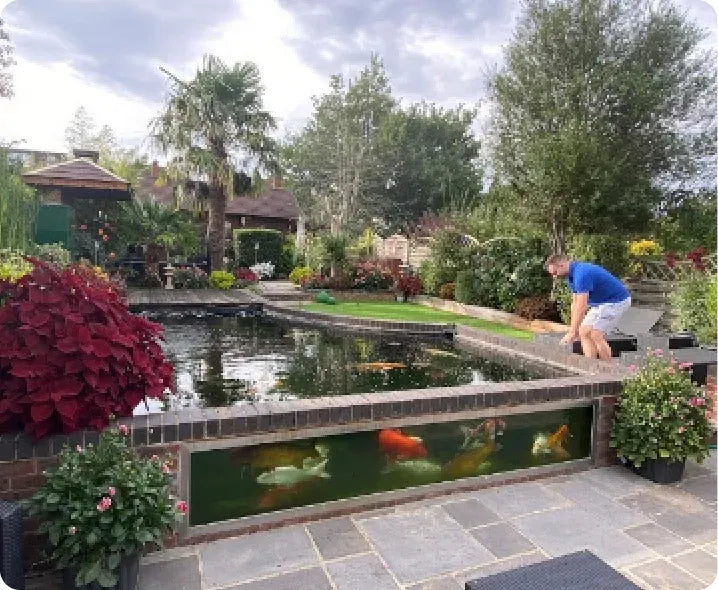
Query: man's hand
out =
(570, 337)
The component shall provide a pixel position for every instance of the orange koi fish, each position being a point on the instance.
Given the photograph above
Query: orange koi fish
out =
(557, 441)
(378, 366)
(396, 444)
(470, 462)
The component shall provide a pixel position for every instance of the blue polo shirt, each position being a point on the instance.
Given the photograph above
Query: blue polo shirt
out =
(601, 285)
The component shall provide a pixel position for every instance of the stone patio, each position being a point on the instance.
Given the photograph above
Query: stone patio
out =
(661, 537)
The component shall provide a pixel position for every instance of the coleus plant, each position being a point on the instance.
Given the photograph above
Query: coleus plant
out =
(71, 353)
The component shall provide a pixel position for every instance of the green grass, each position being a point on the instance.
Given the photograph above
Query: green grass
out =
(412, 312)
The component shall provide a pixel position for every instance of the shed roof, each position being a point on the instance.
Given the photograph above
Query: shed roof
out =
(79, 173)
(277, 202)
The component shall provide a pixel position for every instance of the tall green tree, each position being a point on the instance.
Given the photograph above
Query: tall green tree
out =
(336, 164)
(6, 62)
(596, 104)
(434, 163)
(80, 131)
(204, 122)
(18, 207)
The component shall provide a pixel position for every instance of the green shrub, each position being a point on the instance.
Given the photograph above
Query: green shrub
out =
(13, 266)
(447, 291)
(270, 246)
(606, 250)
(221, 279)
(537, 307)
(190, 278)
(448, 256)
(693, 303)
(54, 254)
(465, 287)
(562, 295)
(299, 273)
(286, 258)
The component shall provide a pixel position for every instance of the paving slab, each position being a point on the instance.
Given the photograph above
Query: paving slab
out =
(446, 583)
(240, 559)
(360, 572)
(424, 544)
(615, 481)
(470, 513)
(678, 511)
(571, 529)
(503, 540)
(700, 564)
(659, 539)
(307, 579)
(523, 498)
(584, 495)
(500, 566)
(661, 575)
(337, 537)
(178, 574)
(703, 487)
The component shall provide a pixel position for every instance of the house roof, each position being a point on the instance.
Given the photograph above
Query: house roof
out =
(79, 173)
(277, 202)
(162, 192)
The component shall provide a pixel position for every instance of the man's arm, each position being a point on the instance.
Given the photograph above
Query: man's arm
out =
(579, 305)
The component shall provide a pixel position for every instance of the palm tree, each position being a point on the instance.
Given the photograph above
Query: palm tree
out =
(204, 121)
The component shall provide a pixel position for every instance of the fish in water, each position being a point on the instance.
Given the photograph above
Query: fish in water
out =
(416, 467)
(378, 366)
(545, 444)
(397, 444)
(474, 436)
(312, 468)
(276, 455)
(470, 462)
(281, 496)
(439, 352)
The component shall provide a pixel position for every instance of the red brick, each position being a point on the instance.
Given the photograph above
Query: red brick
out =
(14, 468)
(16, 495)
(46, 463)
(27, 482)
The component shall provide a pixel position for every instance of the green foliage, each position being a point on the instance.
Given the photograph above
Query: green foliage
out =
(102, 503)
(661, 413)
(693, 302)
(299, 273)
(447, 291)
(364, 244)
(562, 295)
(581, 162)
(18, 207)
(537, 307)
(54, 254)
(688, 222)
(448, 256)
(270, 246)
(286, 257)
(324, 297)
(501, 214)
(190, 278)
(13, 266)
(315, 252)
(607, 250)
(6, 61)
(465, 287)
(221, 279)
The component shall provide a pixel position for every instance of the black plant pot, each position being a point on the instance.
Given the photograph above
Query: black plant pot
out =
(660, 470)
(129, 576)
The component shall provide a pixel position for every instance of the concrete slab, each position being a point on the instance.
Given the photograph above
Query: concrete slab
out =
(337, 537)
(571, 529)
(518, 499)
(307, 579)
(503, 540)
(470, 513)
(178, 574)
(615, 481)
(700, 564)
(661, 540)
(500, 566)
(446, 583)
(248, 557)
(424, 544)
(360, 572)
(703, 487)
(638, 320)
(662, 575)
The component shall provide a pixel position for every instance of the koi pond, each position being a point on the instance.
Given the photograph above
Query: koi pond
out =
(276, 476)
(223, 361)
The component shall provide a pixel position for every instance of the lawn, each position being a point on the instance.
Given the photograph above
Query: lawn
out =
(412, 312)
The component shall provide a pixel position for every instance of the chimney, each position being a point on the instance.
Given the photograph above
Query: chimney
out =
(155, 169)
(93, 155)
(275, 181)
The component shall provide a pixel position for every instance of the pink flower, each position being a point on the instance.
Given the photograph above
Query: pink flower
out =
(123, 430)
(681, 429)
(697, 401)
(155, 458)
(685, 365)
(83, 227)
(632, 368)
(104, 504)
(111, 491)
(78, 448)
(181, 505)
(165, 468)
(671, 371)
(658, 352)
(71, 530)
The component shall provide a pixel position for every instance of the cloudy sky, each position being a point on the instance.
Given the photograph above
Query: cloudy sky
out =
(107, 54)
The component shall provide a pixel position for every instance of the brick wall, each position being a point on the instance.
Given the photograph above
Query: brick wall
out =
(711, 387)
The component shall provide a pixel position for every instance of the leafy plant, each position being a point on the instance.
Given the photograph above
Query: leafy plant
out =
(13, 266)
(447, 291)
(607, 250)
(661, 413)
(190, 278)
(71, 353)
(537, 307)
(246, 274)
(53, 254)
(562, 296)
(644, 248)
(371, 276)
(103, 503)
(245, 240)
(693, 301)
(18, 207)
(299, 273)
(409, 285)
(221, 279)
(465, 287)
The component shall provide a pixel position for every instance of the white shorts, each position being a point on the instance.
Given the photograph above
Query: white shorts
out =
(605, 317)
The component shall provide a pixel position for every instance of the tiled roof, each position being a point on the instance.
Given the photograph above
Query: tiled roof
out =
(275, 203)
(79, 172)
(162, 193)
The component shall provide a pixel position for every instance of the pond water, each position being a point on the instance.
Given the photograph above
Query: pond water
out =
(276, 476)
(221, 361)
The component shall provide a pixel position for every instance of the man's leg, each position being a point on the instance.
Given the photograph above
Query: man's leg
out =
(587, 343)
(603, 348)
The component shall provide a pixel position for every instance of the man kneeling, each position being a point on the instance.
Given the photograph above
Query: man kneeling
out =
(593, 286)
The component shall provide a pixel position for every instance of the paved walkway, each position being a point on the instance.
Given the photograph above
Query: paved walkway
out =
(661, 537)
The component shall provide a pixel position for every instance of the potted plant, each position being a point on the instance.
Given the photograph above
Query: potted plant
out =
(100, 507)
(660, 420)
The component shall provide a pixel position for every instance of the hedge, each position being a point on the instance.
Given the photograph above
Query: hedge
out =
(270, 246)
(465, 291)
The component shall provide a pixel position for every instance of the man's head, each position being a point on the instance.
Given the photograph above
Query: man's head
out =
(557, 265)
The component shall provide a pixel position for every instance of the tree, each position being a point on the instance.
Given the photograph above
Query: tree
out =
(598, 101)
(80, 131)
(434, 165)
(18, 207)
(204, 121)
(6, 62)
(336, 164)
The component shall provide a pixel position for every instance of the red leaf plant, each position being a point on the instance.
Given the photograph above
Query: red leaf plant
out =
(72, 354)
(246, 274)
